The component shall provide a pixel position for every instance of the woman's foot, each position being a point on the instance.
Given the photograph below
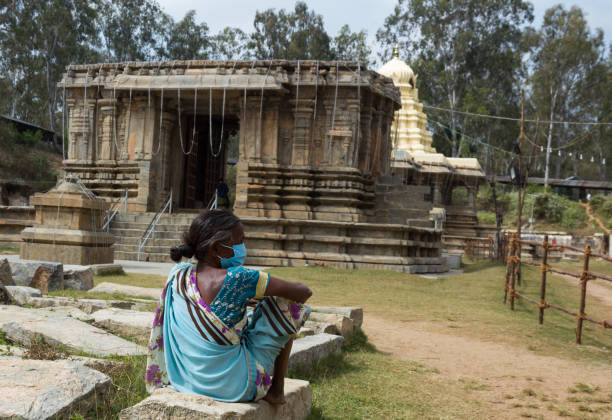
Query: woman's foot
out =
(275, 397)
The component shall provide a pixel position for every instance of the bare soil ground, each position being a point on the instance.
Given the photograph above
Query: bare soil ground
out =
(509, 380)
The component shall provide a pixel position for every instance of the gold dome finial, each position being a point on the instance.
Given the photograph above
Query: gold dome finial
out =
(396, 51)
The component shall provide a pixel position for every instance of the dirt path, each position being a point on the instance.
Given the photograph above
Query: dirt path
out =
(592, 217)
(510, 379)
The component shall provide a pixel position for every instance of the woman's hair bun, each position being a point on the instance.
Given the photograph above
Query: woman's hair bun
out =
(178, 252)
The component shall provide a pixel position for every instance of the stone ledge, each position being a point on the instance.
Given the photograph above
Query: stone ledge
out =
(168, 404)
(308, 350)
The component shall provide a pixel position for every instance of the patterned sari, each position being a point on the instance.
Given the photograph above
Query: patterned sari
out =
(194, 351)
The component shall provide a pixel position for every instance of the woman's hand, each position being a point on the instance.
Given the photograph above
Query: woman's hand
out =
(297, 292)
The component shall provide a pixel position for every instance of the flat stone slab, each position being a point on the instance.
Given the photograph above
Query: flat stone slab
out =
(43, 389)
(86, 305)
(110, 288)
(136, 324)
(353, 312)
(168, 404)
(72, 312)
(78, 277)
(306, 351)
(11, 351)
(21, 325)
(106, 269)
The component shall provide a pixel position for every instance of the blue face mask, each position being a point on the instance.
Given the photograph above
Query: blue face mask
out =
(240, 254)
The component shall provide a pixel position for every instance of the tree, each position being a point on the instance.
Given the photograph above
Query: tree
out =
(230, 44)
(469, 52)
(568, 71)
(41, 39)
(186, 40)
(133, 30)
(297, 35)
(351, 46)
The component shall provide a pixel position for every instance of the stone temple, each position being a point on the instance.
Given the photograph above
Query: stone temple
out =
(320, 180)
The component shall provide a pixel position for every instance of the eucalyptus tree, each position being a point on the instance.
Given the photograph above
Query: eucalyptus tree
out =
(185, 39)
(351, 46)
(568, 71)
(469, 55)
(230, 44)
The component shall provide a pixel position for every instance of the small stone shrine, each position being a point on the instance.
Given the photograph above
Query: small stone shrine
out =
(68, 227)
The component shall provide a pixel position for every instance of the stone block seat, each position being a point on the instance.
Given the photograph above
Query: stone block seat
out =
(167, 404)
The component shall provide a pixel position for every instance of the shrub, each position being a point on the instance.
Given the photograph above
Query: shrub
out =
(550, 207)
(486, 218)
(29, 138)
(573, 216)
(597, 201)
(606, 207)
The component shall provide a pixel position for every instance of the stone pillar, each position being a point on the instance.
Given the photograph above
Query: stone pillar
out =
(301, 134)
(471, 198)
(106, 145)
(250, 135)
(167, 126)
(437, 192)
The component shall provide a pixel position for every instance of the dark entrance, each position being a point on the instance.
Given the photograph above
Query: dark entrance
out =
(202, 168)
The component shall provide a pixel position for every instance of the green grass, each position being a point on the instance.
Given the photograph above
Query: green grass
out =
(472, 301)
(9, 249)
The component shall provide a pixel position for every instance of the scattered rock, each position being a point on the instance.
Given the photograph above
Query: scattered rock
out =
(124, 289)
(41, 389)
(321, 327)
(305, 351)
(305, 332)
(344, 326)
(40, 279)
(23, 273)
(106, 269)
(167, 404)
(135, 324)
(6, 276)
(5, 296)
(78, 278)
(21, 294)
(353, 312)
(72, 312)
(22, 325)
(88, 306)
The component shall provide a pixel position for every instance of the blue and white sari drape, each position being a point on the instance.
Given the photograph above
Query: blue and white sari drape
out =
(194, 351)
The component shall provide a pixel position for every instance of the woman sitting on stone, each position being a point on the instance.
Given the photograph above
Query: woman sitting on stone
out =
(204, 341)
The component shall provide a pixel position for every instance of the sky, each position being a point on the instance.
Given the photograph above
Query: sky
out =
(358, 14)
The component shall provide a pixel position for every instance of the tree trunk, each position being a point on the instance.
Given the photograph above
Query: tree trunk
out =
(549, 141)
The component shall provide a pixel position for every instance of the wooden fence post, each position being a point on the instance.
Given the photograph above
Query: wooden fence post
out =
(542, 304)
(584, 278)
(509, 268)
(516, 264)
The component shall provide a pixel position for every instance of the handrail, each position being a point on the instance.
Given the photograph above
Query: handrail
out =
(150, 230)
(212, 204)
(110, 215)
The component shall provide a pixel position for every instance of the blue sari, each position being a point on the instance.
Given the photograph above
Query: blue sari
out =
(195, 351)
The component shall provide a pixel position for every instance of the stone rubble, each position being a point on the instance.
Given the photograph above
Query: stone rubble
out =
(21, 294)
(71, 311)
(21, 325)
(6, 276)
(78, 278)
(320, 327)
(43, 389)
(344, 326)
(168, 404)
(353, 312)
(23, 273)
(40, 279)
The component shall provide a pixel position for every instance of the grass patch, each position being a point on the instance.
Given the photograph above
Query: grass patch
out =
(584, 388)
(472, 299)
(133, 279)
(9, 249)
(364, 383)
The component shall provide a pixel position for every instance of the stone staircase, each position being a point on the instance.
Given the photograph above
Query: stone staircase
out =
(129, 227)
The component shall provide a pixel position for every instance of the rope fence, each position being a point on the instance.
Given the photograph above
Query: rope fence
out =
(514, 262)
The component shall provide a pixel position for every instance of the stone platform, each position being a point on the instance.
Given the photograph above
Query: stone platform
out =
(167, 404)
(294, 242)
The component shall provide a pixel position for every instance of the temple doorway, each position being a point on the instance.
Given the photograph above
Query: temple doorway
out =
(205, 165)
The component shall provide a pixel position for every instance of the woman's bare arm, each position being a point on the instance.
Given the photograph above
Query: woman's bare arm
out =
(287, 289)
